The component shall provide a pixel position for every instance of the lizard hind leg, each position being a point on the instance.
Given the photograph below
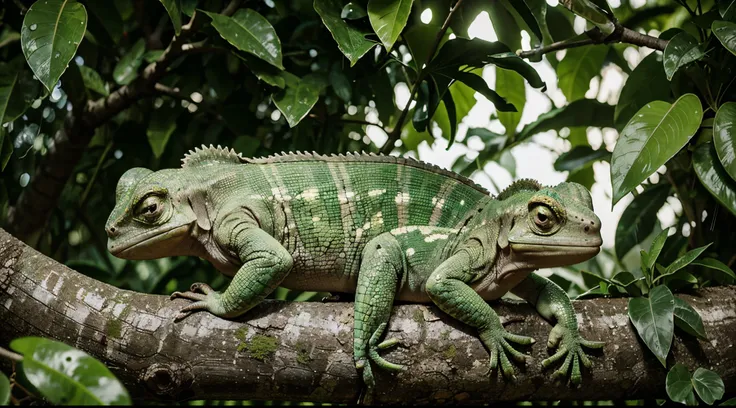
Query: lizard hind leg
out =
(381, 267)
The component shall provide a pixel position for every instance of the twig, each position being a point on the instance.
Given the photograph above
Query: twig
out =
(11, 355)
(595, 36)
(395, 133)
(231, 8)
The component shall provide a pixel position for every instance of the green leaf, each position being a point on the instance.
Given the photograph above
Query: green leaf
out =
(716, 265)
(4, 389)
(724, 136)
(350, 40)
(714, 177)
(538, 8)
(126, 70)
(464, 97)
(511, 86)
(388, 19)
(678, 384)
(458, 52)
(173, 7)
(653, 318)
(8, 82)
(263, 71)
(50, 35)
(420, 119)
(160, 127)
(105, 21)
(726, 33)
(340, 83)
(298, 98)
(638, 219)
(681, 50)
(188, 7)
(93, 81)
(731, 401)
(627, 281)
(509, 60)
(451, 116)
(67, 376)
(646, 83)
(708, 385)
(250, 32)
(727, 10)
(656, 248)
(590, 11)
(353, 11)
(479, 85)
(654, 135)
(580, 156)
(6, 148)
(583, 112)
(578, 67)
(685, 260)
(688, 319)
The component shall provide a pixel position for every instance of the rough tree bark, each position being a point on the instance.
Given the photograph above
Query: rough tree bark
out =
(303, 351)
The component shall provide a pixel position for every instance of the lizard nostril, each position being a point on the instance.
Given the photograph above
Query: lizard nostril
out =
(587, 228)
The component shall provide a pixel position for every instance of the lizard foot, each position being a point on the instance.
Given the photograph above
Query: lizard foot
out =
(204, 297)
(496, 339)
(374, 346)
(570, 343)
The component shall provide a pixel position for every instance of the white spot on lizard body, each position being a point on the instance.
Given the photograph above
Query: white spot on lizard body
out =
(410, 252)
(374, 193)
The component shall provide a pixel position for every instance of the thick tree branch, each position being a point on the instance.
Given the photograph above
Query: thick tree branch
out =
(595, 36)
(40, 197)
(303, 351)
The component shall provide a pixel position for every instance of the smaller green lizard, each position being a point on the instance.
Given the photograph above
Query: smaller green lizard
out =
(382, 227)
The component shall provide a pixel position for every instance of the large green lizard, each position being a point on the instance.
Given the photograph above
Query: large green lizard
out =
(382, 227)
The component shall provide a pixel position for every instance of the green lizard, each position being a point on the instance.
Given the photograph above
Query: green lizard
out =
(382, 227)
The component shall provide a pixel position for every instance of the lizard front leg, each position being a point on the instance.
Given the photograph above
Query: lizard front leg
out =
(380, 270)
(554, 305)
(265, 264)
(448, 288)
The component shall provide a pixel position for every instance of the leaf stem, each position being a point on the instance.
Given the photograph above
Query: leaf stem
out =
(10, 355)
(395, 133)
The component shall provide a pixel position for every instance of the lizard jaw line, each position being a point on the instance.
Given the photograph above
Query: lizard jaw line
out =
(172, 232)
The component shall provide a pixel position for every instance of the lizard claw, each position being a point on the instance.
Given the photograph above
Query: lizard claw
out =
(571, 348)
(497, 341)
(204, 297)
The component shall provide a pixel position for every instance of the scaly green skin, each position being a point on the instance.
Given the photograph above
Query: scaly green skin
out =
(382, 227)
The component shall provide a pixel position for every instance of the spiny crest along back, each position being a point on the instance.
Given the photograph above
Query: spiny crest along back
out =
(211, 155)
(519, 186)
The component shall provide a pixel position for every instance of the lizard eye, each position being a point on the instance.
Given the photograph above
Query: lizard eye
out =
(543, 217)
(150, 208)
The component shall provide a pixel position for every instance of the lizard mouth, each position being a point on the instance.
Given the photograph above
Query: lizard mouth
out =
(141, 245)
(547, 256)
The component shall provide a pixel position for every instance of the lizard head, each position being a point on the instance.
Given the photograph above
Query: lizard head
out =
(550, 227)
(151, 218)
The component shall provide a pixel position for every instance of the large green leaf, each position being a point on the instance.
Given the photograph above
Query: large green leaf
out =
(510, 61)
(580, 156)
(681, 50)
(8, 82)
(724, 137)
(298, 98)
(510, 85)
(173, 7)
(656, 133)
(4, 389)
(583, 112)
(638, 219)
(50, 35)
(646, 83)
(67, 376)
(656, 248)
(578, 67)
(388, 18)
(678, 385)
(126, 70)
(725, 275)
(708, 385)
(725, 31)
(160, 127)
(653, 318)
(727, 10)
(714, 177)
(249, 31)
(688, 319)
(686, 259)
(350, 40)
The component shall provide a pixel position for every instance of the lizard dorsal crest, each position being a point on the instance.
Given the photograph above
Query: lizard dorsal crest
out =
(205, 156)
(518, 186)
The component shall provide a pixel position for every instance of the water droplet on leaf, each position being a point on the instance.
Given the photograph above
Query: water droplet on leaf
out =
(33, 27)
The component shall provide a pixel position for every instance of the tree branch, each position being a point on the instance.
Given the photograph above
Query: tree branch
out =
(595, 36)
(302, 351)
(40, 197)
(395, 133)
